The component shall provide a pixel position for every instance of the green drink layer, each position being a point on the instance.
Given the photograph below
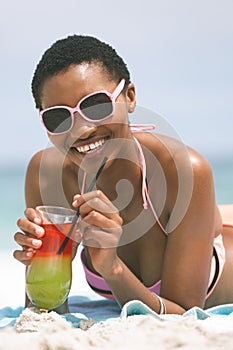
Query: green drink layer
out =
(48, 280)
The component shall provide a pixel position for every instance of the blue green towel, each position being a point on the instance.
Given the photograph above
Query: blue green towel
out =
(103, 309)
(136, 307)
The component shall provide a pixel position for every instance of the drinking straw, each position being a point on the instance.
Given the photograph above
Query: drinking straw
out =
(75, 219)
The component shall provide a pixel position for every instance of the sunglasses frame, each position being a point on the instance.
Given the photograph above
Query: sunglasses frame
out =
(113, 96)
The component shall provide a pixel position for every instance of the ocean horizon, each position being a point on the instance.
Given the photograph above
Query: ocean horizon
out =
(12, 179)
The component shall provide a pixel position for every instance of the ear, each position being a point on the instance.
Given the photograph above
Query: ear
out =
(131, 97)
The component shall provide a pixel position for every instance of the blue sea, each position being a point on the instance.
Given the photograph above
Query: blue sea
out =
(12, 195)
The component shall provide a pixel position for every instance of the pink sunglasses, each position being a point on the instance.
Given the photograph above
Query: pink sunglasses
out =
(96, 106)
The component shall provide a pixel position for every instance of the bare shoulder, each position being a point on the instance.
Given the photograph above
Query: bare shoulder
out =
(48, 178)
(49, 157)
(186, 177)
(174, 154)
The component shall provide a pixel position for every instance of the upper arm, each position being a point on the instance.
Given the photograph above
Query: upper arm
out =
(45, 184)
(189, 247)
(32, 182)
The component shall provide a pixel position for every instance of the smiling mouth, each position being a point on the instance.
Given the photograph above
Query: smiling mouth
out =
(90, 147)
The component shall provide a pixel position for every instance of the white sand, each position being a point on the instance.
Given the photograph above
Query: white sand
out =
(51, 331)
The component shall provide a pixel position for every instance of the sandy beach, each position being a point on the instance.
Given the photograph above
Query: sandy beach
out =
(50, 331)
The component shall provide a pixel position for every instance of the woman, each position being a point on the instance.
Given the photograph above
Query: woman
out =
(151, 229)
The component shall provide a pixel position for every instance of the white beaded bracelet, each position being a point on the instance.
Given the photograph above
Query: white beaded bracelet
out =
(162, 310)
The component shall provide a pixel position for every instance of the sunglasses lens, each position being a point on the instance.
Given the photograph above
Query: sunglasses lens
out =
(97, 106)
(57, 120)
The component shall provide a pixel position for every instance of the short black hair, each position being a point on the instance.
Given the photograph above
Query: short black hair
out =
(77, 49)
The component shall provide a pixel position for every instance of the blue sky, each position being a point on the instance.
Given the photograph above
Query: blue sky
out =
(179, 52)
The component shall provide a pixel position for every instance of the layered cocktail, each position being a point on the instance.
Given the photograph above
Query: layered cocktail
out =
(49, 276)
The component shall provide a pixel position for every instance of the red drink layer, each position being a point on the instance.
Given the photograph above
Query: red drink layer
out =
(49, 275)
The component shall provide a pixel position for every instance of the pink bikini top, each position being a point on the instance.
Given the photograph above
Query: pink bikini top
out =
(98, 284)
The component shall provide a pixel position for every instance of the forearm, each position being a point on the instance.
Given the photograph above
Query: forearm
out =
(126, 287)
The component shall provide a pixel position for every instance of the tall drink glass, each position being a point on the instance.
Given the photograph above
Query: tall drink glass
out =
(49, 276)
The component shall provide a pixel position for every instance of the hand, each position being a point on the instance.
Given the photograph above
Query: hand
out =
(29, 240)
(101, 228)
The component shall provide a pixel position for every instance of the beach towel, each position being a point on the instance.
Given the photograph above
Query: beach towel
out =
(99, 310)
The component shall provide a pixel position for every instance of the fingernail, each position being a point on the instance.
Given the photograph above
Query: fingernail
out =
(77, 196)
(39, 231)
(36, 242)
(37, 220)
(29, 254)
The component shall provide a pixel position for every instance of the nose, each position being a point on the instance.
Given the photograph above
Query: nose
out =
(82, 128)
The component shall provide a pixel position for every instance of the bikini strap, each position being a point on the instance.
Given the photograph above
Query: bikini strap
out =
(145, 193)
(141, 127)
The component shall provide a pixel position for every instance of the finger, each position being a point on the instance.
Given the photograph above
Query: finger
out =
(24, 256)
(98, 201)
(80, 199)
(33, 215)
(29, 227)
(77, 236)
(95, 237)
(76, 202)
(98, 205)
(26, 241)
(95, 218)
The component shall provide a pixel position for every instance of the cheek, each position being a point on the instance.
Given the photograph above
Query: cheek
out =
(119, 118)
(121, 112)
(58, 141)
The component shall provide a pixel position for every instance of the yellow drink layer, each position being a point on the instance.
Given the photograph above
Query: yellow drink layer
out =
(48, 280)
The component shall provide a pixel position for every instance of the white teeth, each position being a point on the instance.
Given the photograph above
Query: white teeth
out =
(91, 146)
